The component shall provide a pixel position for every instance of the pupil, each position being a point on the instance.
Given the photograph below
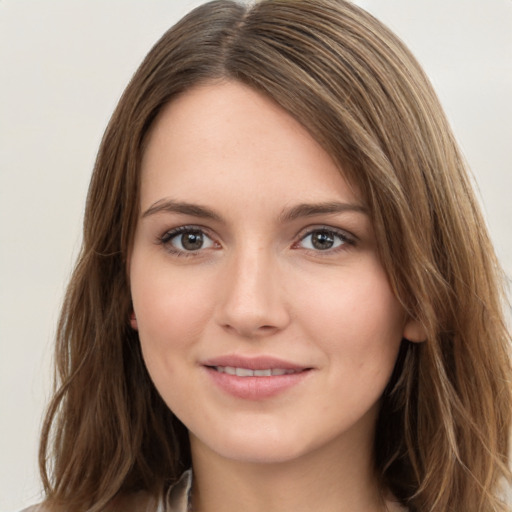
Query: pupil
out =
(322, 240)
(192, 241)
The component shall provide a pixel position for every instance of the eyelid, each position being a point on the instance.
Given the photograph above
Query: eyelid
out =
(349, 239)
(169, 234)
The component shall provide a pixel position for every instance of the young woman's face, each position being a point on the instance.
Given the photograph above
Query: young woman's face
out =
(266, 320)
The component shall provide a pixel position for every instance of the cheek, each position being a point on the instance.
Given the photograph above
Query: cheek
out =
(171, 313)
(353, 314)
(171, 310)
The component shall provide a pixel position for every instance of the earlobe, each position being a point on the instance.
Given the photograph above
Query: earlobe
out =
(414, 331)
(133, 322)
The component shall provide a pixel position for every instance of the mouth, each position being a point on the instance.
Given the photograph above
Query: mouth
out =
(255, 378)
(248, 372)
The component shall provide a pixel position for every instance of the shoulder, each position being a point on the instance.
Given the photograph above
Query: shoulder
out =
(135, 502)
(176, 500)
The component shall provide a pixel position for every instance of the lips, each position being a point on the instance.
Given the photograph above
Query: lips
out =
(253, 363)
(254, 378)
(247, 372)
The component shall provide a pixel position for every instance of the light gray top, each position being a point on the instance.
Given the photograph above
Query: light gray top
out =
(176, 500)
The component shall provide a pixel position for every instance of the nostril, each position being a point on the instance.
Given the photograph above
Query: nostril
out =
(251, 314)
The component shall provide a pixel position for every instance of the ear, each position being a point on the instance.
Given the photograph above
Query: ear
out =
(414, 331)
(133, 322)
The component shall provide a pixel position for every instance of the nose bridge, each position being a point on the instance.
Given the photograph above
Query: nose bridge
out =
(253, 302)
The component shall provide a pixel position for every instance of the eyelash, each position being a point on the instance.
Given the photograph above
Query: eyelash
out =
(345, 238)
(168, 236)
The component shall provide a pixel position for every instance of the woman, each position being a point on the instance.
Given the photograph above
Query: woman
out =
(285, 284)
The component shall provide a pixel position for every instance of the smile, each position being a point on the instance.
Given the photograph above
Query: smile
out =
(265, 378)
(247, 372)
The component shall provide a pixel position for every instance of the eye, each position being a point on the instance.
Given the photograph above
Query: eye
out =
(186, 239)
(324, 240)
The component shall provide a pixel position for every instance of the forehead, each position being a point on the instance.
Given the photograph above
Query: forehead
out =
(226, 139)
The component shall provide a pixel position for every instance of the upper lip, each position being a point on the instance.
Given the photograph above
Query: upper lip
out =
(253, 363)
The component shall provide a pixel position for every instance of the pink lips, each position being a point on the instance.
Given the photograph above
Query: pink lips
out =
(254, 378)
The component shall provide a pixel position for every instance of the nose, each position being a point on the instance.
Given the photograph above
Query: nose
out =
(254, 302)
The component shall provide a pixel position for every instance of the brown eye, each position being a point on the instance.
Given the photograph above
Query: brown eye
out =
(191, 241)
(323, 240)
(184, 239)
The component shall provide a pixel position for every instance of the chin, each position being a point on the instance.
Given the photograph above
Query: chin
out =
(267, 454)
(249, 455)
(262, 445)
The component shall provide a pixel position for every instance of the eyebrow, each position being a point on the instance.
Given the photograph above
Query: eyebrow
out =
(287, 215)
(170, 206)
(310, 210)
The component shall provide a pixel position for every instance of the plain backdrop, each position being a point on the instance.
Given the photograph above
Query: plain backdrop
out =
(63, 66)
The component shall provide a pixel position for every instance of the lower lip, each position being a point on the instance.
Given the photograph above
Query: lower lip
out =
(256, 388)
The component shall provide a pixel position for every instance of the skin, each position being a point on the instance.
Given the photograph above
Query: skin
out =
(258, 285)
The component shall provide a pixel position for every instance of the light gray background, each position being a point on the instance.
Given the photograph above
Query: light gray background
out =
(63, 66)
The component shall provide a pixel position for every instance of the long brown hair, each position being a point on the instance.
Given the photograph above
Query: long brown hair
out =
(442, 437)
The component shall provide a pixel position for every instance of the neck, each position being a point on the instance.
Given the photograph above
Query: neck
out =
(336, 478)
